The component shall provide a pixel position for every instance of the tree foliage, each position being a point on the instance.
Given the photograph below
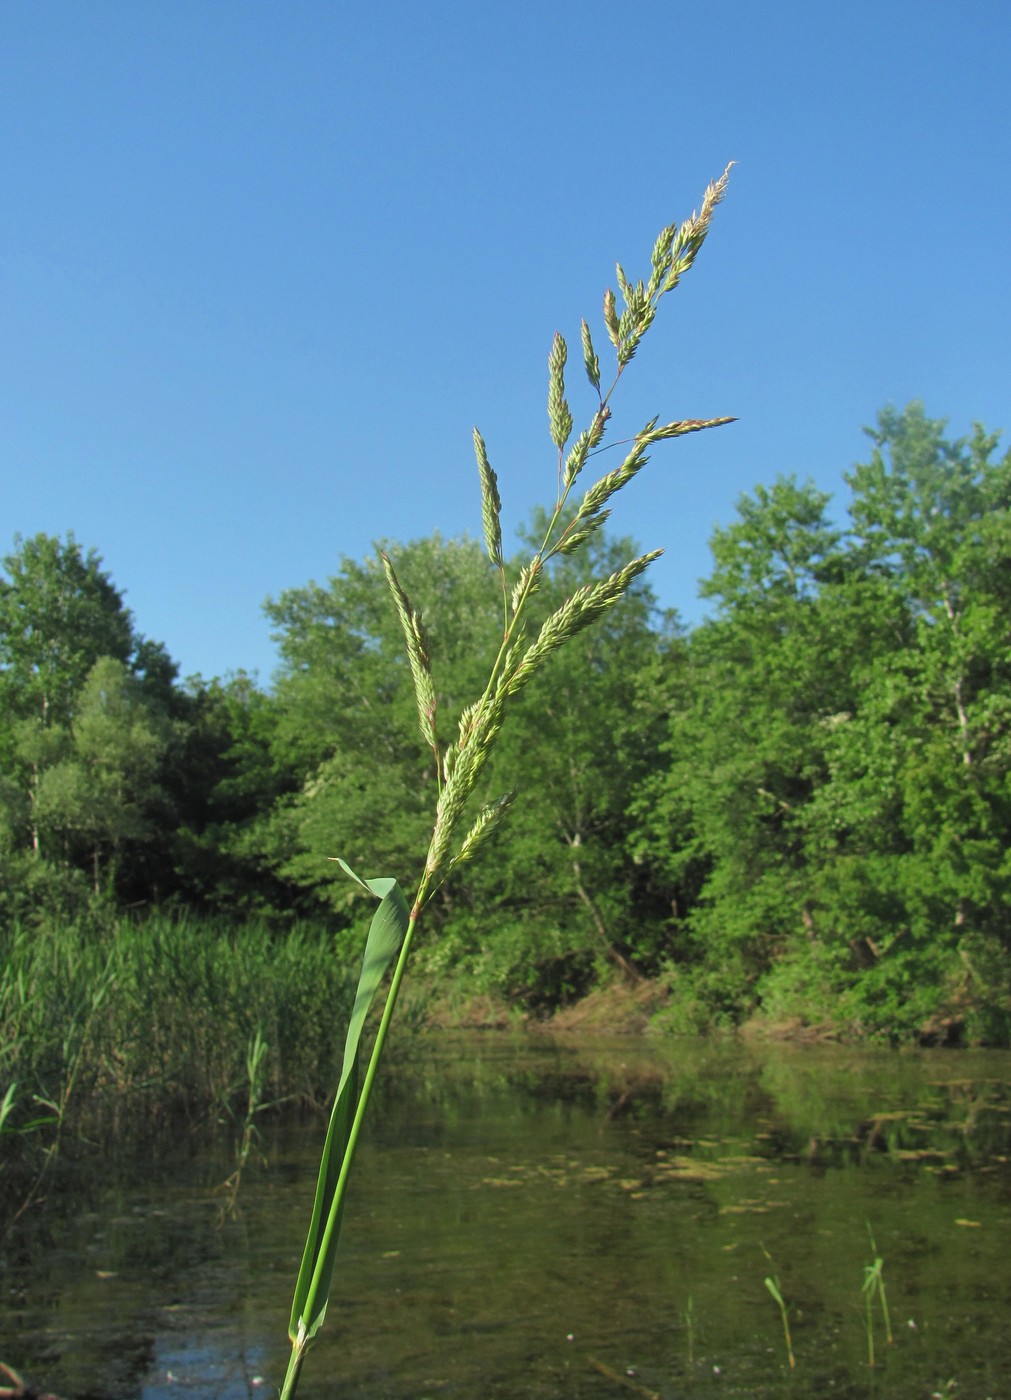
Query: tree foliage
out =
(801, 808)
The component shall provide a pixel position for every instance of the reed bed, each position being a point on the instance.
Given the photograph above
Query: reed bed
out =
(160, 1013)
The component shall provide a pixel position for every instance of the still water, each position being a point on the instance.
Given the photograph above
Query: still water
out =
(548, 1218)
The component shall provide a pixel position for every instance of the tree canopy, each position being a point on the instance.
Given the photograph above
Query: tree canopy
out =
(800, 809)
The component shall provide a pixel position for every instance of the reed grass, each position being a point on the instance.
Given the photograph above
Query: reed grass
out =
(256, 1054)
(100, 1017)
(461, 824)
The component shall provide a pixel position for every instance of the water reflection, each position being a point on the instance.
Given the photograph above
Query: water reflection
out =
(547, 1218)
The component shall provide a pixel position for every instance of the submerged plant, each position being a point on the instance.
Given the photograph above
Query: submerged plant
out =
(458, 832)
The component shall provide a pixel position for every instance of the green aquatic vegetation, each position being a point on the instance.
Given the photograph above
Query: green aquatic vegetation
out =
(256, 1055)
(772, 1284)
(874, 1288)
(107, 1018)
(463, 821)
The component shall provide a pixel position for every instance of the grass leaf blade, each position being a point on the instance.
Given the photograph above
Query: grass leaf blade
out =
(312, 1288)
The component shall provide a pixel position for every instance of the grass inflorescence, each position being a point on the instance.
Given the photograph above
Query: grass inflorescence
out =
(463, 818)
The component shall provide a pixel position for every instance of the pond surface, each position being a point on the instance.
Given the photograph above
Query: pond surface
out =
(547, 1218)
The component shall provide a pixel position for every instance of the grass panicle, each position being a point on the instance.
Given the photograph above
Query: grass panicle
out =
(512, 668)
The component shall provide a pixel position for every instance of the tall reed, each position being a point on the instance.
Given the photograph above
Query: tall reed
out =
(458, 830)
(101, 1014)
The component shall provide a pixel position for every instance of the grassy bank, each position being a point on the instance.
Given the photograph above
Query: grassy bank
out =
(159, 1015)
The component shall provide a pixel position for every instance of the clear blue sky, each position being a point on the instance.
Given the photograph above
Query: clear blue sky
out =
(264, 265)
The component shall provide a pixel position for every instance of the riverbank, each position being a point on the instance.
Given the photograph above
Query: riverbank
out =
(650, 1007)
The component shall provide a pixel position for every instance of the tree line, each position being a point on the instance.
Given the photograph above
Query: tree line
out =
(799, 808)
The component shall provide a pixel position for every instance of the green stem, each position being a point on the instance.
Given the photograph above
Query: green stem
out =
(293, 1372)
(298, 1346)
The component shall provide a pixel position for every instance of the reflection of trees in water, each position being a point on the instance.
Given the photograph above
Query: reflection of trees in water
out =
(826, 1105)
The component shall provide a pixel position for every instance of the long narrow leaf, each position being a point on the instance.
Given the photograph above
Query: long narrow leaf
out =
(315, 1274)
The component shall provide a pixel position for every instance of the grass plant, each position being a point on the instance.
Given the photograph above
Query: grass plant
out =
(106, 1017)
(772, 1284)
(7, 1106)
(462, 823)
(256, 1055)
(874, 1288)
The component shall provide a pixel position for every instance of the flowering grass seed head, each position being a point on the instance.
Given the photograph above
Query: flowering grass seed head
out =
(559, 416)
(491, 503)
(417, 654)
(590, 360)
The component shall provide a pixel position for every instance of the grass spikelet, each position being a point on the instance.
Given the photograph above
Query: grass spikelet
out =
(491, 503)
(624, 286)
(611, 318)
(590, 357)
(479, 726)
(576, 459)
(417, 653)
(559, 415)
(584, 606)
(527, 584)
(574, 537)
(487, 821)
(661, 258)
(681, 428)
(601, 492)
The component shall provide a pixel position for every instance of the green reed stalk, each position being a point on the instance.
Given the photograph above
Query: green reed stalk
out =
(256, 1054)
(457, 832)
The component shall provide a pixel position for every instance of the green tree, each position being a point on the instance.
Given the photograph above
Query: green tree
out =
(908, 839)
(83, 699)
(229, 778)
(832, 815)
(59, 612)
(101, 795)
(719, 819)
